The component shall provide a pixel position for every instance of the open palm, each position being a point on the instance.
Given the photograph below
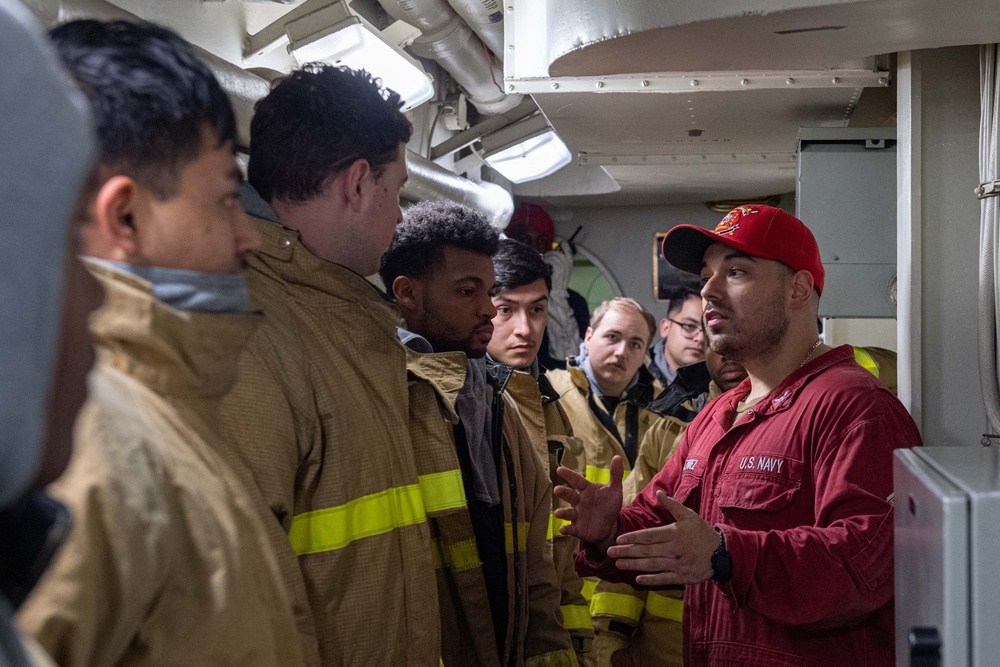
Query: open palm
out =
(593, 510)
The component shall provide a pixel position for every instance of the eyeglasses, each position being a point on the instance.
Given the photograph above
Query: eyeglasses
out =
(690, 330)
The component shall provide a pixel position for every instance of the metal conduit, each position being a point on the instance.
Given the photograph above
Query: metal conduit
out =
(427, 180)
(449, 40)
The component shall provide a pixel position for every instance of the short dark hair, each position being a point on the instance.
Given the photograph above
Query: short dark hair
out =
(150, 96)
(315, 123)
(517, 265)
(427, 228)
(680, 297)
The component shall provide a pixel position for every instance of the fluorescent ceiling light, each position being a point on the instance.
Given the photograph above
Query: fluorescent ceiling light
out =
(526, 151)
(337, 35)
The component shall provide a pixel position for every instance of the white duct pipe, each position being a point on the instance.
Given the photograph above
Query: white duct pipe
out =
(989, 236)
(485, 17)
(427, 181)
(447, 39)
(431, 181)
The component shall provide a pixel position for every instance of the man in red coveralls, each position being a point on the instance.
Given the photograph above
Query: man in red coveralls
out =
(776, 511)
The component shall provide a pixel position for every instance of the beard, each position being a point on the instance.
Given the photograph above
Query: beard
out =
(757, 337)
(446, 339)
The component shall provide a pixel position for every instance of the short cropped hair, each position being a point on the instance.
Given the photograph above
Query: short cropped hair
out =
(517, 265)
(626, 304)
(680, 297)
(151, 98)
(315, 123)
(427, 228)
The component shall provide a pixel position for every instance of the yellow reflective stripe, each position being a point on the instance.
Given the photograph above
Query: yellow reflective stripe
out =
(598, 475)
(522, 537)
(457, 557)
(576, 617)
(554, 524)
(664, 607)
(601, 475)
(588, 589)
(443, 490)
(865, 360)
(335, 527)
(617, 604)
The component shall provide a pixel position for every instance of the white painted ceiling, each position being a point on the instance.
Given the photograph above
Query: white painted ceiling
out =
(590, 38)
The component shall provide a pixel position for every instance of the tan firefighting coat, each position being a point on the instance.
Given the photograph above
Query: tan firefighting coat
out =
(575, 398)
(319, 416)
(535, 634)
(552, 436)
(645, 624)
(600, 445)
(167, 562)
(880, 362)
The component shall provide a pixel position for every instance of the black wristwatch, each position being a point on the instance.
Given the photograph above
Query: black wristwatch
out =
(722, 562)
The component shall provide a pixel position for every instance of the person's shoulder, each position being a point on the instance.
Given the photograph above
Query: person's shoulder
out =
(845, 377)
(119, 449)
(852, 393)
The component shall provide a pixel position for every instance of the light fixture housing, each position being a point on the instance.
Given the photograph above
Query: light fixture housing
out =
(526, 150)
(336, 34)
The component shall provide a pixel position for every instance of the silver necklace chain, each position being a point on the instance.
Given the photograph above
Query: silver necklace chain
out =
(811, 350)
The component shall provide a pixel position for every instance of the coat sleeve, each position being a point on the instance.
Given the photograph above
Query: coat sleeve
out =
(841, 568)
(95, 597)
(575, 610)
(547, 642)
(268, 444)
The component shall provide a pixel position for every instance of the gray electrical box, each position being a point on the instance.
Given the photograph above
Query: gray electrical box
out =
(846, 194)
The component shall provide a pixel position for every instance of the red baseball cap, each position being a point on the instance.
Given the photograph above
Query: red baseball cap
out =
(758, 230)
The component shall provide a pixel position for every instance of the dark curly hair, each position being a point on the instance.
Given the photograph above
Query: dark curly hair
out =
(150, 96)
(427, 228)
(315, 123)
(517, 265)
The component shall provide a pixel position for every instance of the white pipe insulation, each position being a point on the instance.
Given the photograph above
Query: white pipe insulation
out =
(989, 234)
(426, 179)
(449, 40)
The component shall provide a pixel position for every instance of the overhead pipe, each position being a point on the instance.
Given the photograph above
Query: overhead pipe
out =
(449, 40)
(244, 89)
(426, 179)
(485, 17)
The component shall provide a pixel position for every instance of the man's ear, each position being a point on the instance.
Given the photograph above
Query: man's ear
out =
(404, 290)
(112, 230)
(353, 182)
(664, 328)
(802, 289)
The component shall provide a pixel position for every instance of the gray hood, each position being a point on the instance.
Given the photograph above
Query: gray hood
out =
(46, 147)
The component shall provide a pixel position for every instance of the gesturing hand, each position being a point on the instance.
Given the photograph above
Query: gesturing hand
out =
(678, 553)
(593, 507)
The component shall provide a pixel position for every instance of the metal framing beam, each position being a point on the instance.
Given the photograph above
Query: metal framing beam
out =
(705, 81)
(607, 160)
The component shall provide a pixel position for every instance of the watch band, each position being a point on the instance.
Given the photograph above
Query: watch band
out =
(722, 562)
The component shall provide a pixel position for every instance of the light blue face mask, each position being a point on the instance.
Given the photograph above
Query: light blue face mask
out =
(192, 291)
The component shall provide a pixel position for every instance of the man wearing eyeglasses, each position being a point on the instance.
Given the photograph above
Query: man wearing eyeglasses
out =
(679, 359)
(683, 336)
